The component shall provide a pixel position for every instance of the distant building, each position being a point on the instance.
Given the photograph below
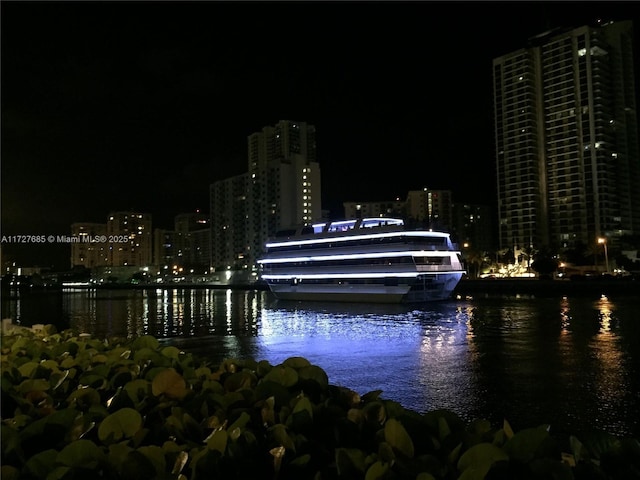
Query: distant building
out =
(187, 247)
(193, 240)
(129, 239)
(395, 208)
(430, 208)
(568, 162)
(165, 249)
(90, 251)
(281, 189)
(473, 225)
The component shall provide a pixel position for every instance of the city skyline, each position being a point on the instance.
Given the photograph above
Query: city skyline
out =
(141, 106)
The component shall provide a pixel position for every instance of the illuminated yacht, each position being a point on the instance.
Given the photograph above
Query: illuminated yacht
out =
(363, 260)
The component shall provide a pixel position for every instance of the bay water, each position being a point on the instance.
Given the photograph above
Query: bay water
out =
(570, 362)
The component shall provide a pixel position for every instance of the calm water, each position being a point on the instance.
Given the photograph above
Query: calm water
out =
(571, 362)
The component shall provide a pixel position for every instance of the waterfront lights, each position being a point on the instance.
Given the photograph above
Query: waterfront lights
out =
(603, 241)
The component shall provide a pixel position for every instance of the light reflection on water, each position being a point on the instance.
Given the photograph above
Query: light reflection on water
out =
(571, 362)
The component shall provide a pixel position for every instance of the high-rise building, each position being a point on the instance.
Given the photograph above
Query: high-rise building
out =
(566, 131)
(186, 247)
(129, 239)
(394, 208)
(193, 240)
(280, 190)
(431, 208)
(473, 226)
(89, 251)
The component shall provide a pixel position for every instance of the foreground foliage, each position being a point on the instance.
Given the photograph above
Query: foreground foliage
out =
(75, 407)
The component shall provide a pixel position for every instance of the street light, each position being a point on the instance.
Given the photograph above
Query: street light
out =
(603, 241)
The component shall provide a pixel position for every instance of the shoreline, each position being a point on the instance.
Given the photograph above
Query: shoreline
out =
(550, 287)
(466, 287)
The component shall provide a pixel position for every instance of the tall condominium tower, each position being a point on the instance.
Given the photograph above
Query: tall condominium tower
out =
(566, 132)
(280, 190)
(129, 239)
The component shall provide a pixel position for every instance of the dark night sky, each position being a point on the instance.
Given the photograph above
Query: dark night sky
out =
(141, 106)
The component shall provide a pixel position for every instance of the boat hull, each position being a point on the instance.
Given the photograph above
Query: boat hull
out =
(439, 289)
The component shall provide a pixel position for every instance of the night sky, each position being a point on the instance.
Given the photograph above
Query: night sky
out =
(141, 106)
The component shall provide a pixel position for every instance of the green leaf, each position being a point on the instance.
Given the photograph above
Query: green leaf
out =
(118, 453)
(377, 471)
(81, 454)
(480, 456)
(155, 455)
(348, 460)
(598, 443)
(138, 466)
(170, 383)
(396, 436)
(9, 472)
(425, 476)
(313, 372)
(240, 422)
(26, 369)
(171, 352)
(123, 423)
(145, 341)
(138, 389)
(283, 375)
(296, 362)
(524, 444)
(303, 404)
(84, 398)
(217, 440)
(477, 472)
(281, 436)
(36, 385)
(40, 464)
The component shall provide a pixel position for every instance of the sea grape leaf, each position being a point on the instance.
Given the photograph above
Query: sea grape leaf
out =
(239, 380)
(301, 461)
(123, 423)
(118, 454)
(281, 436)
(396, 435)
(240, 422)
(283, 375)
(137, 465)
(296, 362)
(9, 472)
(145, 341)
(478, 472)
(83, 398)
(50, 364)
(425, 476)
(372, 396)
(524, 444)
(81, 454)
(377, 471)
(217, 440)
(40, 464)
(31, 385)
(138, 389)
(313, 372)
(170, 383)
(598, 442)
(480, 454)
(171, 352)
(303, 404)
(155, 455)
(348, 459)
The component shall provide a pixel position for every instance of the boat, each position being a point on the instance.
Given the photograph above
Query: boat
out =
(376, 260)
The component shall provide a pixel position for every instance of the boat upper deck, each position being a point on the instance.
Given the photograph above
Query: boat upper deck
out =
(359, 232)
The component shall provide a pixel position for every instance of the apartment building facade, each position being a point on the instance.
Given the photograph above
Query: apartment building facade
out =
(566, 135)
(281, 189)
